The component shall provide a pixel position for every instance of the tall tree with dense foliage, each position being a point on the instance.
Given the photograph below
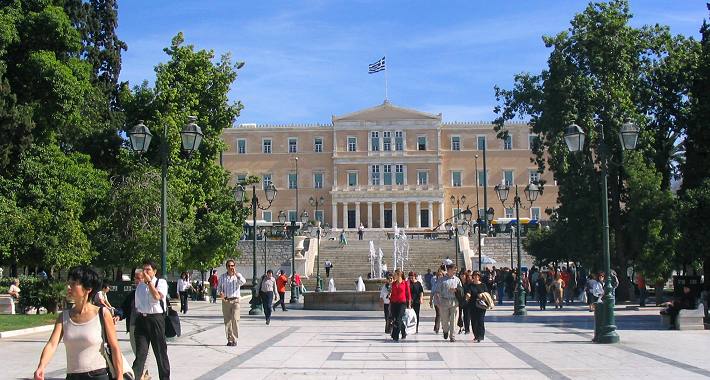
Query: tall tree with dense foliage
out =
(601, 72)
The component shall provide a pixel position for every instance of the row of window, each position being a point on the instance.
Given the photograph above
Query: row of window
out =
(384, 175)
(267, 216)
(380, 141)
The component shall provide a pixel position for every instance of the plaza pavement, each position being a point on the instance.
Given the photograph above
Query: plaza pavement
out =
(301, 344)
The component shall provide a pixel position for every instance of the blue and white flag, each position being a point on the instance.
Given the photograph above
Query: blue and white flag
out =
(377, 66)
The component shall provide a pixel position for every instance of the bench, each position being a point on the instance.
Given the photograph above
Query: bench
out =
(688, 319)
(7, 304)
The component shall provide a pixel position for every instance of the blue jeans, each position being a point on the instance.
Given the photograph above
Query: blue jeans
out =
(213, 294)
(501, 293)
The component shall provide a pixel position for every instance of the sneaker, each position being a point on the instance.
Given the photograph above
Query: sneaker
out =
(452, 339)
(446, 335)
(268, 320)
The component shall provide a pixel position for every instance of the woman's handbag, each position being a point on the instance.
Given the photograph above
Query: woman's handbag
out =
(172, 321)
(108, 355)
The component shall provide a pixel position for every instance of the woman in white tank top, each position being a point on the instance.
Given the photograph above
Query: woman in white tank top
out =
(80, 328)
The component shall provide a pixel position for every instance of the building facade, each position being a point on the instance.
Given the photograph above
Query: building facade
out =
(385, 165)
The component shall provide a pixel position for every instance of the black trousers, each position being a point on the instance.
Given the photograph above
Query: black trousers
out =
(542, 300)
(99, 374)
(183, 301)
(150, 331)
(466, 318)
(327, 271)
(266, 299)
(416, 307)
(477, 316)
(281, 301)
(397, 313)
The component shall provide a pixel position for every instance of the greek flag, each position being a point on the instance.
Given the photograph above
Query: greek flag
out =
(377, 66)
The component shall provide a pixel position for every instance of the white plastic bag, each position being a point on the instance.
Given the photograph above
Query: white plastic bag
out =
(410, 321)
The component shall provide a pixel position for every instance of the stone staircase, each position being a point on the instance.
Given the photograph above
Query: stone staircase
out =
(353, 260)
(498, 248)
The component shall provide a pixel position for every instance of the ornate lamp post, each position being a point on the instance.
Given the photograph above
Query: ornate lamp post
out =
(270, 193)
(531, 193)
(140, 138)
(488, 217)
(317, 203)
(574, 138)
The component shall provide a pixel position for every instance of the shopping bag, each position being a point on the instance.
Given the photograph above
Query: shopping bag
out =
(410, 321)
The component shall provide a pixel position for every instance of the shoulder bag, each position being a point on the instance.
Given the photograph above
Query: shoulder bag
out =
(172, 320)
(108, 355)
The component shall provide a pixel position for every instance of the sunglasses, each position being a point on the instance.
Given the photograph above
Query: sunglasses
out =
(230, 266)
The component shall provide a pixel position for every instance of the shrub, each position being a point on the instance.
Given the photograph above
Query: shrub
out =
(36, 292)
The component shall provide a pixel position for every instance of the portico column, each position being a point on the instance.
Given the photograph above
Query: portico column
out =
(382, 214)
(406, 214)
(369, 214)
(334, 218)
(431, 214)
(419, 214)
(441, 212)
(357, 214)
(345, 215)
(394, 213)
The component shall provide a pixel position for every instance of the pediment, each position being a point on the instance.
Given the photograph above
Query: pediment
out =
(386, 112)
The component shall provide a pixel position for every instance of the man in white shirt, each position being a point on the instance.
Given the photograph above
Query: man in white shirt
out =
(150, 321)
(229, 291)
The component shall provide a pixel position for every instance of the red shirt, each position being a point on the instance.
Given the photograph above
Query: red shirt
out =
(281, 283)
(213, 281)
(400, 292)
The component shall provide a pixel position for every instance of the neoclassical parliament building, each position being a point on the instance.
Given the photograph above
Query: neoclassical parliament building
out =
(385, 165)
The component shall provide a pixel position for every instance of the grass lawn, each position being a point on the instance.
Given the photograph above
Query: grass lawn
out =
(16, 322)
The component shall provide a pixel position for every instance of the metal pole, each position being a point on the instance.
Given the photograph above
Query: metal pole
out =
(519, 307)
(478, 218)
(607, 333)
(293, 244)
(511, 248)
(485, 185)
(256, 308)
(264, 232)
(164, 204)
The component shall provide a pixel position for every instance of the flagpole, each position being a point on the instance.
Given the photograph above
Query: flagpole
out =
(385, 82)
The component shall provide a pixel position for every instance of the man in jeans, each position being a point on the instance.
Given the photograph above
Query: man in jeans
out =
(229, 287)
(446, 288)
(150, 301)
(214, 281)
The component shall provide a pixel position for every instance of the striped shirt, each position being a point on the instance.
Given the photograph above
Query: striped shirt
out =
(230, 285)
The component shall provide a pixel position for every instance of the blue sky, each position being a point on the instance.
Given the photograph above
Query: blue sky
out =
(307, 60)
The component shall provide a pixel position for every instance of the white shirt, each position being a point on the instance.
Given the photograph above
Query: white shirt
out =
(145, 303)
(183, 285)
(385, 294)
(230, 285)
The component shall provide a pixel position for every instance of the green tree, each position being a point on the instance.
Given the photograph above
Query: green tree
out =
(601, 72)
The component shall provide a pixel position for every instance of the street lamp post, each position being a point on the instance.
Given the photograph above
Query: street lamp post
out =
(140, 138)
(317, 203)
(574, 139)
(263, 232)
(270, 193)
(531, 193)
(458, 202)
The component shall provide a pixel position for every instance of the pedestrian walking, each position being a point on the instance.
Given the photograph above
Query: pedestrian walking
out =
(101, 297)
(360, 231)
(214, 281)
(151, 301)
(541, 290)
(400, 299)
(473, 294)
(267, 288)
(328, 266)
(417, 291)
(558, 286)
(343, 239)
(183, 288)
(281, 281)
(427, 279)
(434, 300)
(229, 287)
(446, 289)
(385, 292)
(81, 331)
(641, 286)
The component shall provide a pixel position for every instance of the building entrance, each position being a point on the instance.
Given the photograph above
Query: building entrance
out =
(424, 215)
(388, 218)
(351, 219)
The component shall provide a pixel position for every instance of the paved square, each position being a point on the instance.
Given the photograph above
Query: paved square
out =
(302, 344)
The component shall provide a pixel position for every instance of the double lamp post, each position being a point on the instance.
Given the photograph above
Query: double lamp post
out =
(459, 223)
(605, 324)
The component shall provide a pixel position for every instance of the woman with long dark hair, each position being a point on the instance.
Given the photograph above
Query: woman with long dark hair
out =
(183, 287)
(81, 331)
(473, 290)
(400, 299)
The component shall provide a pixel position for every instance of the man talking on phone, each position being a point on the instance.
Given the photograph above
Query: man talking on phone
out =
(150, 321)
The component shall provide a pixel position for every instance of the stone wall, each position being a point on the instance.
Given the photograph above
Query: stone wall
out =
(278, 255)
